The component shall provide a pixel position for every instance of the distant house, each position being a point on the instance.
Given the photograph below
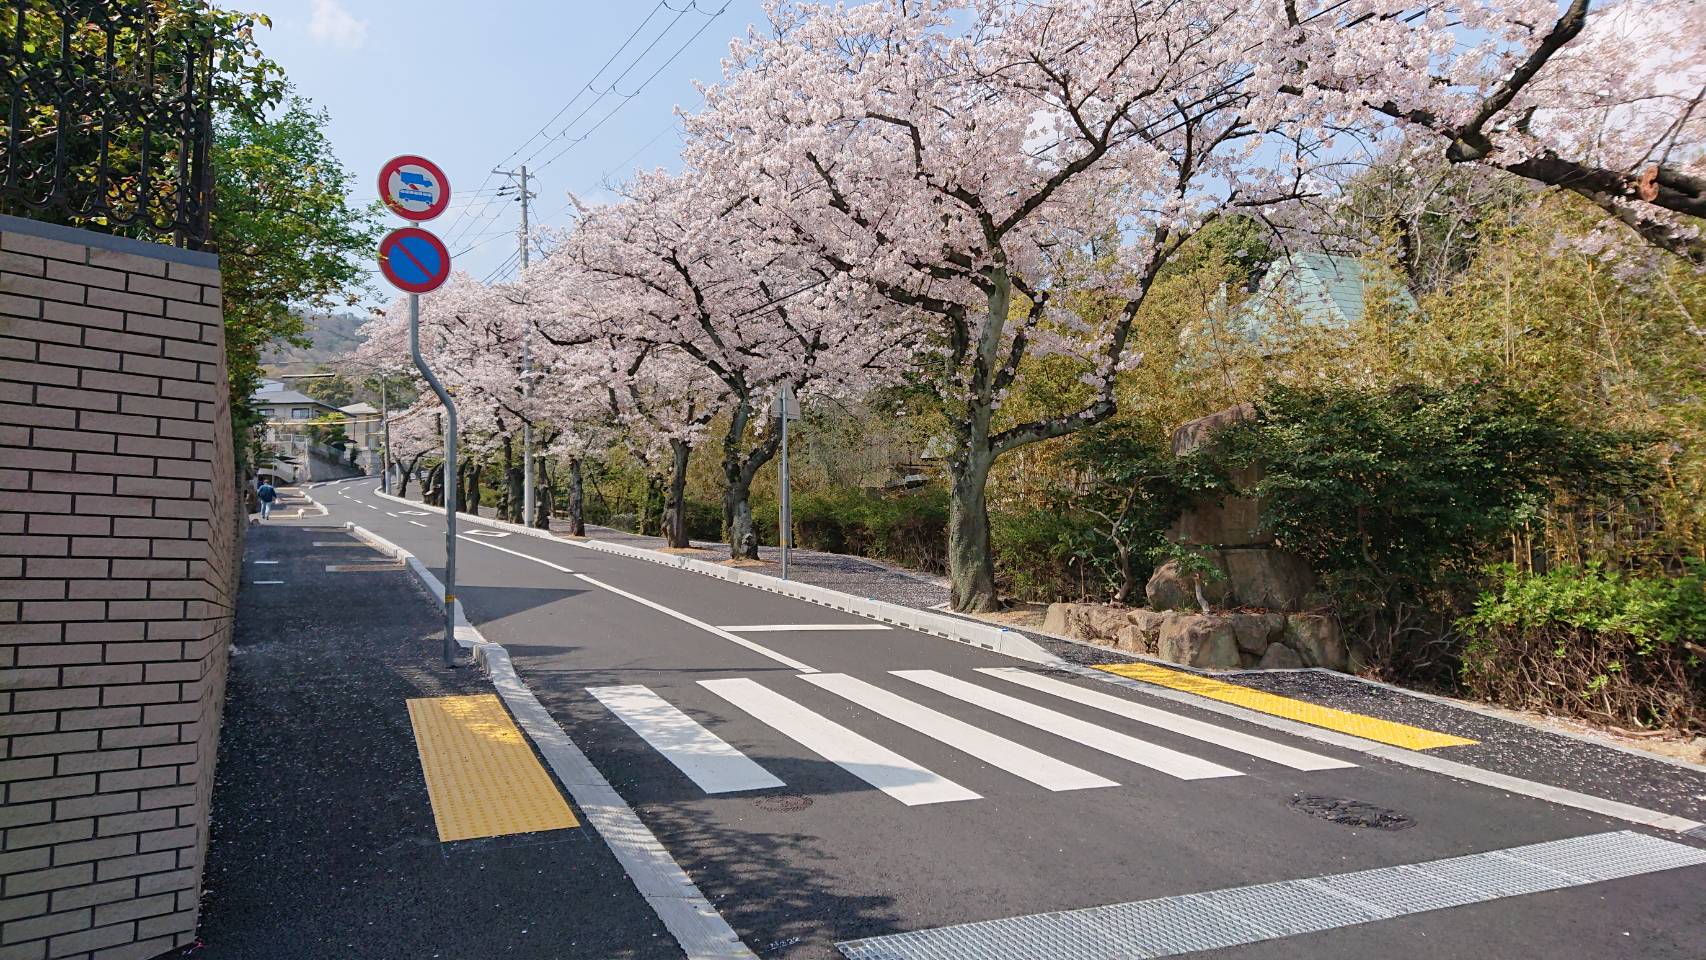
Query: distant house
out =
(277, 404)
(365, 431)
(1314, 289)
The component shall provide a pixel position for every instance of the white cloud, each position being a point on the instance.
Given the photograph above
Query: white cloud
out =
(334, 26)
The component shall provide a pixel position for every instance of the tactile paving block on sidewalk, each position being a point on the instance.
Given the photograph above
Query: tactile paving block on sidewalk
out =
(1355, 724)
(481, 774)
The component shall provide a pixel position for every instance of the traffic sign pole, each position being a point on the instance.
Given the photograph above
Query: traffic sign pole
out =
(449, 478)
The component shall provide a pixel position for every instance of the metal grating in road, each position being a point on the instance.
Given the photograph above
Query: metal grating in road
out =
(1171, 926)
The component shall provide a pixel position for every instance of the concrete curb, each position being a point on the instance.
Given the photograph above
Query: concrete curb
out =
(694, 922)
(999, 640)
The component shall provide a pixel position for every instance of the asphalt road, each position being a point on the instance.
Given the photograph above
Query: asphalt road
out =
(958, 837)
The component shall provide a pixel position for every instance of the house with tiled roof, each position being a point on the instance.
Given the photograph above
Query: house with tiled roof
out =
(1314, 289)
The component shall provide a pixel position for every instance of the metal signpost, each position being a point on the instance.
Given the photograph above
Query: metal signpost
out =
(783, 409)
(416, 262)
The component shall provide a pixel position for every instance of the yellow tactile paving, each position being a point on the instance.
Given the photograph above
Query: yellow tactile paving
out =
(481, 774)
(1355, 724)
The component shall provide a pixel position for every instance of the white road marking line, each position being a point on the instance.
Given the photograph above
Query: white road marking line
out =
(1015, 758)
(265, 561)
(742, 641)
(1171, 762)
(871, 762)
(706, 758)
(265, 582)
(1184, 726)
(417, 523)
(513, 553)
(792, 627)
(370, 506)
(362, 502)
(389, 514)
(494, 534)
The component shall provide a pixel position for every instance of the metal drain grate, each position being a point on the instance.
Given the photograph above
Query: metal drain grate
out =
(1170, 926)
(1351, 813)
(782, 802)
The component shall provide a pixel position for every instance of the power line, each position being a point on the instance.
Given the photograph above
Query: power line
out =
(484, 212)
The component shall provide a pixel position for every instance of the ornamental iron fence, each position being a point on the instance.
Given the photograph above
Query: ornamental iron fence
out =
(109, 119)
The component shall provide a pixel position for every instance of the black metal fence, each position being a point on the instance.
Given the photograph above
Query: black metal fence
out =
(109, 118)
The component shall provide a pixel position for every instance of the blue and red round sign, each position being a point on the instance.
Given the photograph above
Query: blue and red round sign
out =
(414, 188)
(413, 260)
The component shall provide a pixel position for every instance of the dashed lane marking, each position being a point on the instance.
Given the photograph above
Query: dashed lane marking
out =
(362, 567)
(417, 523)
(1355, 724)
(481, 775)
(265, 562)
(263, 583)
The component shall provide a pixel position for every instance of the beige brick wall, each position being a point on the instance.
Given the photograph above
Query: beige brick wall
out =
(119, 534)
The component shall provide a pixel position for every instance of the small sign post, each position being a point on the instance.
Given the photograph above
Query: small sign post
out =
(416, 262)
(785, 408)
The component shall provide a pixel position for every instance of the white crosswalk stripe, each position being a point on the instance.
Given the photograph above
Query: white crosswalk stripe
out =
(1017, 759)
(1141, 752)
(1184, 726)
(871, 762)
(705, 757)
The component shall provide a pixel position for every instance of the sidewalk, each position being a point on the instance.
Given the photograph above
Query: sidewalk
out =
(323, 842)
(1591, 764)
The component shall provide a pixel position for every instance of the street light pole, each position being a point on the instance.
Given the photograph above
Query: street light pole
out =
(449, 478)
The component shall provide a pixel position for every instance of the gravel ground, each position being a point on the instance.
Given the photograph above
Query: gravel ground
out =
(1507, 747)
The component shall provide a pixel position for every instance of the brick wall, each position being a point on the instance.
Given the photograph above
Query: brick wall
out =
(118, 556)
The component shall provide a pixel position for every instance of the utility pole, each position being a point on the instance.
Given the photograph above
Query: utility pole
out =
(522, 194)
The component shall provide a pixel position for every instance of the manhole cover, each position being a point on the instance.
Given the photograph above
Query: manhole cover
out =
(782, 802)
(1351, 813)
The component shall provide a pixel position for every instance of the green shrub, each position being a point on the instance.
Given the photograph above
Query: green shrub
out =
(1040, 555)
(909, 529)
(1592, 642)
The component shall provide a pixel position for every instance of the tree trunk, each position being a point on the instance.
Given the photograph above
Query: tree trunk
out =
(675, 507)
(432, 488)
(971, 566)
(738, 471)
(544, 496)
(577, 500)
(505, 506)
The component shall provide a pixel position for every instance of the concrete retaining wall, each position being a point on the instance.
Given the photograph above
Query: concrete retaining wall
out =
(119, 538)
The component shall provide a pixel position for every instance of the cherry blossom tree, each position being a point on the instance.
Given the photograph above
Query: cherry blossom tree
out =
(1018, 173)
(686, 278)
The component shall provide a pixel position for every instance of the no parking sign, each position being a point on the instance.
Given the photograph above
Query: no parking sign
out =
(413, 260)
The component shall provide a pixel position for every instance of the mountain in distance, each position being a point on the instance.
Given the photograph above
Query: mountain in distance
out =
(333, 335)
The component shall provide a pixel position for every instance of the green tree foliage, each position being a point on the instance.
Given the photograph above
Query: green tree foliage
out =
(1392, 494)
(286, 233)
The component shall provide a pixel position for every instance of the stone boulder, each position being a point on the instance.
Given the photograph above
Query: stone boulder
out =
(1317, 640)
(1096, 623)
(1199, 641)
(1266, 577)
(1279, 657)
(1256, 631)
(1171, 589)
(1142, 634)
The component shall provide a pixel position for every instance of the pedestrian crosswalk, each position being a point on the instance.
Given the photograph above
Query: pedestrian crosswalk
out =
(895, 729)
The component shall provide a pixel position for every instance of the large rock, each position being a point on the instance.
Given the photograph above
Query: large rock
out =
(1255, 631)
(1317, 640)
(1199, 641)
(1170, 589)
(1227, 521)
(1097, 623)
(1266, 577)
(1280, 657)
(1143, 632)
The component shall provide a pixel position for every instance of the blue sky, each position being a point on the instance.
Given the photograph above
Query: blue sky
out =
(468, 84)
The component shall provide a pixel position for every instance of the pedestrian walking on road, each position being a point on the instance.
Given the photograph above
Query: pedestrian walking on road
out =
(267, 495)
